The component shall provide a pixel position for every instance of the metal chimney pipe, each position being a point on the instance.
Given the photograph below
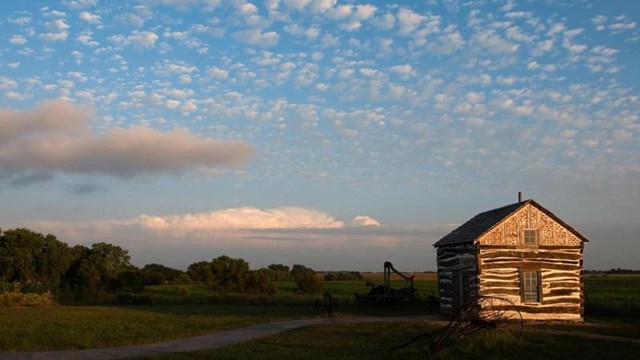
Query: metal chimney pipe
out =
(519, 196)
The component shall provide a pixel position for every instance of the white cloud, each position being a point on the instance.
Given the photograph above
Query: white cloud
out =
(340, 12)
(408, 20)
(257, 37)
(296, 4)
(55, 137)
(18, 39)
(87, 40)
(364, 220)
(365, 11)
(57, 25)
(246, 218)
(320, 6)
(189, 106)
(447, 44)
(218, 73)
(89, 17)
(489, 40)
(142, 39)
(79, 4)
(385, 22)
(54, 36)
(402, 69)
(172, 104)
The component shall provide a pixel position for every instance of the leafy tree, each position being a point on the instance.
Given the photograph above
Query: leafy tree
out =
(200, 271)
(97, 270)
(279, 272)
(156, 274)
(33, 259)
(260, 282)
(229, 274)
(306, 280)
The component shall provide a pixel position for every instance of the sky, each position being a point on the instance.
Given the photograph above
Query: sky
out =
(334, 134)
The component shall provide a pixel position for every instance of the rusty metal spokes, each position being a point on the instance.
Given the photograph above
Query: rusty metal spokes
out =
(480, 313)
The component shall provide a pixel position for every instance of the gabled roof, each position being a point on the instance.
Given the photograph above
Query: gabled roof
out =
(483, 222)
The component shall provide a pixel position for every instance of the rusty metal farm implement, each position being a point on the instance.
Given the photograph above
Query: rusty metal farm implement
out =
(480, 313)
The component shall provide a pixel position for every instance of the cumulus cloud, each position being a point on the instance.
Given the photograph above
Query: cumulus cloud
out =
(247, 218)
(489, 40)
(142, 39)
(256, 37)
(18, 40)
(89, 17)
(364, 220)
(408, 20)
(56, 137)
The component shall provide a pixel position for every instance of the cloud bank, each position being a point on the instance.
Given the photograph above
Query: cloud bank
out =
(246, 218)
(56, 137)
(261, 236)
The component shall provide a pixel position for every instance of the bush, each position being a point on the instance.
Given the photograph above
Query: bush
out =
(306, 280)
(259, 282)
(16, 298)
(342, 276)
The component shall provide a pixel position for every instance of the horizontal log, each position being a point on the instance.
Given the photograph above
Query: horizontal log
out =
(529, 259)
(551, 275)
(561, 292)
(457, 250)
(530, 254)
(563, 300)
(498, 292)
(529, 264)
(549, 247)
(492, 284)
(549, 309)
(563, 284)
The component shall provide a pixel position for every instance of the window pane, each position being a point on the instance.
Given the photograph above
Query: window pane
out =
(531, 286)
(530, 237)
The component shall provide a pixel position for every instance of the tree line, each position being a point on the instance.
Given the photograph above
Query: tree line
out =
(36, 263)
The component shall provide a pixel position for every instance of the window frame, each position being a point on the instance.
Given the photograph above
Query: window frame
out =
(536, 237)
(525, 289)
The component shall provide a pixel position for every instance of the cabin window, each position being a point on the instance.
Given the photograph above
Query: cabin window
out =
(531, 286)
(530, 237)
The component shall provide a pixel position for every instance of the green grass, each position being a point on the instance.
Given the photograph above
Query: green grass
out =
(80, 327)
(612, 295)
(83, 327)
(373, 341)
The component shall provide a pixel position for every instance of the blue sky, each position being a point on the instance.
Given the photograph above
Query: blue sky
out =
(337, 134)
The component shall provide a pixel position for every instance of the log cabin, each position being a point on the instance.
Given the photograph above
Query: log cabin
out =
(520, 252)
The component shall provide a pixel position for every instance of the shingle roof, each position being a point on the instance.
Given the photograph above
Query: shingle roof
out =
(483, 222)
(478, 225)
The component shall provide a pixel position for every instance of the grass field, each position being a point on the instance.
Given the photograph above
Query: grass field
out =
(79, 327)
(374, 341)
(613, 295)
(84, 327)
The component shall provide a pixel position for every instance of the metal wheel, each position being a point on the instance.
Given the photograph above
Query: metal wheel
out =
(496, 313)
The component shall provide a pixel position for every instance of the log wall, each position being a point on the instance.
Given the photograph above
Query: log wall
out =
(452, 261)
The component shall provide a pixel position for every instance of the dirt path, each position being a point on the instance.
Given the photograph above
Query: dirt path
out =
(203, 342)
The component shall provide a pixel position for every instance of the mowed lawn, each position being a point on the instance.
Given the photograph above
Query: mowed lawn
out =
(375, 341)
(81, 327)
(85, 327)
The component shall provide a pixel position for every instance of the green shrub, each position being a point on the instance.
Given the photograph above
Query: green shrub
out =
(307, 281)
(17, 298)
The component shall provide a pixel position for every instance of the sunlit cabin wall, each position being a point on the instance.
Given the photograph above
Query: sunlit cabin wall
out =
(452, 262)
(557, 257)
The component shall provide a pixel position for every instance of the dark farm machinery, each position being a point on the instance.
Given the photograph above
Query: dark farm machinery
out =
(386, 295)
